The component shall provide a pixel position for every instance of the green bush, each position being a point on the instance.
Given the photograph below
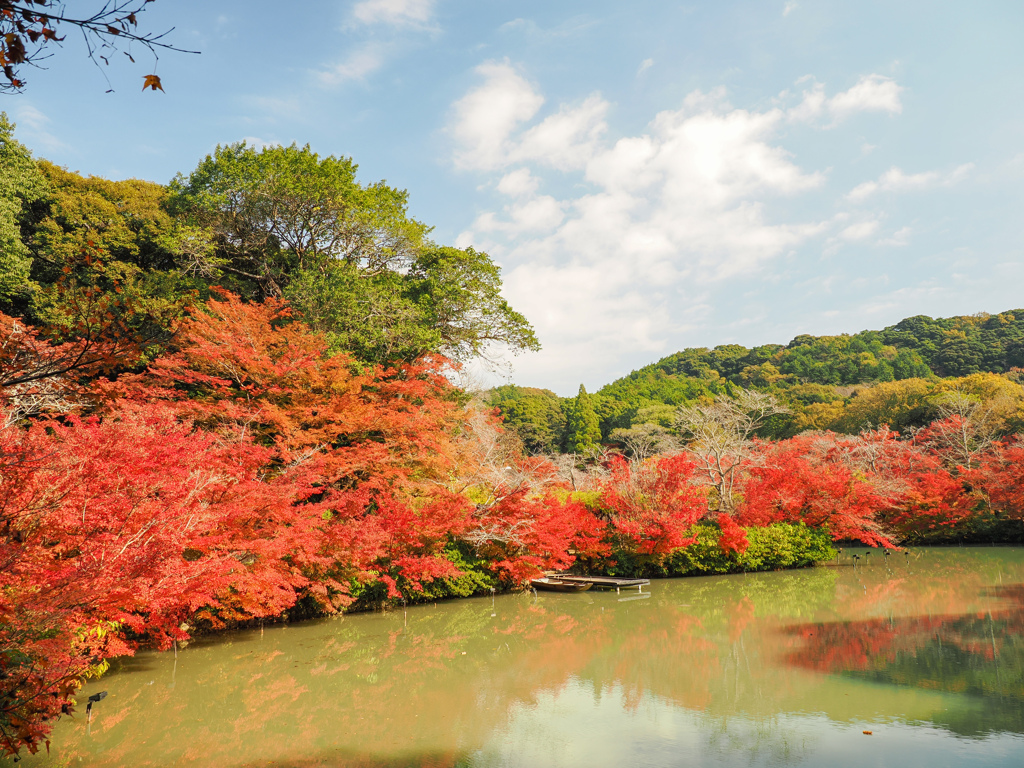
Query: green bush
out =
(772, 548)
(475, 580)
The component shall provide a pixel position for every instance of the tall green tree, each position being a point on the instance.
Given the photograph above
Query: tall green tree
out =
(535, 415)
(21, 184)
(279, 211)
(582, 433)
(347, 256)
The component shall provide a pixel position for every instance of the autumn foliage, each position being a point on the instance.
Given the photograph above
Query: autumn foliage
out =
(248, 474)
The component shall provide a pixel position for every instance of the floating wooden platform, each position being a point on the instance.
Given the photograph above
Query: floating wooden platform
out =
(605, 582)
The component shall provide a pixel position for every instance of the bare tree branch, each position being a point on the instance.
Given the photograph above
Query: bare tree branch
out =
(30, 29)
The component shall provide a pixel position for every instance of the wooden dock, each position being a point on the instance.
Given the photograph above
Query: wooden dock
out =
(605, 582)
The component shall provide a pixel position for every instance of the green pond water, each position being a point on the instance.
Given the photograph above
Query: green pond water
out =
(788, 668)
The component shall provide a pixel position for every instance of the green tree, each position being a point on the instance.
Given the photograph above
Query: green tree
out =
(279, 211)
(21, 184)
(582, 433)
(447, 300)
(535, 415)
(346, 256)
(91, 237)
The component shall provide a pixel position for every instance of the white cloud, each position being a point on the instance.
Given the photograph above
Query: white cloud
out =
(357, 66)
(862, 230)
(536, 214)
(518, 183)
(872, 93)
(486, 116)
(658, 216)
(394, 12)
(645, 65)
(398, 18)
(565, 140)
(898, 239)
(895, 180)
(789, 7)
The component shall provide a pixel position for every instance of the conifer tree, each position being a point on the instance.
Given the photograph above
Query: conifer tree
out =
(582, 433)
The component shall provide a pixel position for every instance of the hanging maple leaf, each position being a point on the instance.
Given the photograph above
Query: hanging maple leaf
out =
(153, 82)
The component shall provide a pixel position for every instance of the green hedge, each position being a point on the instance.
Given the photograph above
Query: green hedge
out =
(772, 548)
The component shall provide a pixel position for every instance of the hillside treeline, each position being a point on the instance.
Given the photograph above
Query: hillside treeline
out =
(894, 377)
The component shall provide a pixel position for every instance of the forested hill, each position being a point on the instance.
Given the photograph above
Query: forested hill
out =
(918, 347)
(841, 382)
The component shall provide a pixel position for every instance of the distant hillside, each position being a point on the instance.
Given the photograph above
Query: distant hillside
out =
(824, 379)
(918, 347)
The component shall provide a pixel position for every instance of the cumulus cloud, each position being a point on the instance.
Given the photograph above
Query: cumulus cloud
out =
(565, 140)
(872, 93)
(898, 239)
(645, 65)
(862, 230)
(789, 7)
(518, 183)
(394, 12)
(895, 180)
(486, 116)
(658, 217)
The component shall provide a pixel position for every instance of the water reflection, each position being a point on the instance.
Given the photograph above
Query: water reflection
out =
(978, 654)
(766, 669)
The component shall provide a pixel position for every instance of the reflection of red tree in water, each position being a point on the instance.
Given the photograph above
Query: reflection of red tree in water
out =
(979, 653)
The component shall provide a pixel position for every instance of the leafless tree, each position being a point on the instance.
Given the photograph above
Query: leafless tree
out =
(967, 425)
(720, 437)
(582, 472)
(877, 455)
(644, 441)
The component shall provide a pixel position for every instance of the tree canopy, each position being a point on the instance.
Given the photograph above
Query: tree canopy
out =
(285, 221)
(21, 184)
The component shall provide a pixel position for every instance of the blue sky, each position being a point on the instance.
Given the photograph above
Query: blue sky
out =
(650, 175)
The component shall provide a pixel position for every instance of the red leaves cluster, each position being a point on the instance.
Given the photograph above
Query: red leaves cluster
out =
(525, 536)
(241, 473)
(112, 525)
(872, 488)
(364, 456)
(653, 505)
(733, 538)
(999, 478)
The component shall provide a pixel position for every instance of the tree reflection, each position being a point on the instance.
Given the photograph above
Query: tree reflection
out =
(434, 685)
(977, 654)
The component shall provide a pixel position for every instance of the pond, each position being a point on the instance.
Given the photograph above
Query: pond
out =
(897, 661)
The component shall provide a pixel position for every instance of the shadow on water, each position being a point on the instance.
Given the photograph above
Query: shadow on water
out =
(976, 655)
